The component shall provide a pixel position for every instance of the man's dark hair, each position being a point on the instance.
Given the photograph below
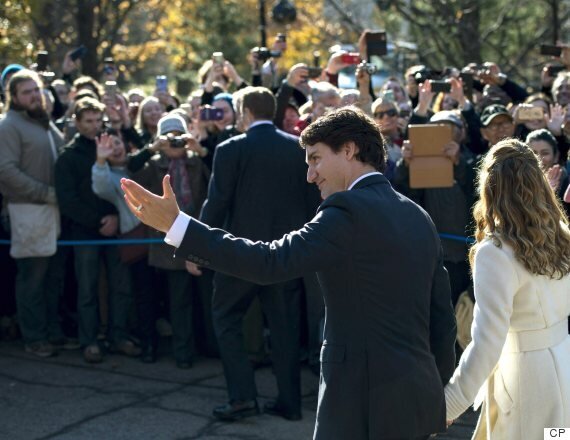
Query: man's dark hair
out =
(345, 125)
(87, 105)
(258, 100)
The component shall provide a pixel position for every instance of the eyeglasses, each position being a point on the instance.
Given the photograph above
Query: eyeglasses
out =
(391, 113)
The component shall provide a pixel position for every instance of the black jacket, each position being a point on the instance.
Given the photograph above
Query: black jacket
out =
(258, 188)
(77, 201)
(390, 327)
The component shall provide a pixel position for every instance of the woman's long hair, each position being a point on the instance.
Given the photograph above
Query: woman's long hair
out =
(517, 205)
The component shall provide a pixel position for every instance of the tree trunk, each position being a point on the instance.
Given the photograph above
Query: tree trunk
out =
(469, 32)
(85, 17)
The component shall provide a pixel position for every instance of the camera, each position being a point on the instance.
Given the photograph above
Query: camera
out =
(369, 68)
(263, 53)
(176, 141)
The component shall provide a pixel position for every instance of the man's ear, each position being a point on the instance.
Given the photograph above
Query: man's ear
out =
(350, 149)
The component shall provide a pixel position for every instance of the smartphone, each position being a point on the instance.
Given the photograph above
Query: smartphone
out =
(314, 72)
(218, 57)
(438, 86)
(42, 61)
(467, 79)
(550, 49)
(162, 83)
(78, 53)
(282, 38)
(211, 114)
(350, 58)
(110, 88)
(376, 43)
(531, 113)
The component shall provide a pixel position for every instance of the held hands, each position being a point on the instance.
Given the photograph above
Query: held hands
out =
(451, 150)
(153, 210)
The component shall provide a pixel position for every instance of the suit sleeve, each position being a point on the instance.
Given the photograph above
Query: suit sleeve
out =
(321, 243)
(222, 185)
(443, 329)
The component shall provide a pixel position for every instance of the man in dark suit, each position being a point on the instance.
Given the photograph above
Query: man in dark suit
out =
(390, 327)
(258, 191)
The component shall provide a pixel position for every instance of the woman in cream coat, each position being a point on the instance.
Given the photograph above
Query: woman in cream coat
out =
(518, 364)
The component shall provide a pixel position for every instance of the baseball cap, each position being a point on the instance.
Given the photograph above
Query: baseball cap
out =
(171, 122)
(492, 111)
(447, 116)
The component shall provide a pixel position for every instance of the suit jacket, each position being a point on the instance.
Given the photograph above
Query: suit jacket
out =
(258, 188)
(390, 327)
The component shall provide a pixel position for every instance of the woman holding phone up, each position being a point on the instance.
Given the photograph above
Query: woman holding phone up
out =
(517, 364)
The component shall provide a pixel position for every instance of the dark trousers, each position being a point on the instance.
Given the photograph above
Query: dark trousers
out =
(180, 300)
(315, 306)
(39, 287)
(142, 282)
(87, 265)
(280, 304)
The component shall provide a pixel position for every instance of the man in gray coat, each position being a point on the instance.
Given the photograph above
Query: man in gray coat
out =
(30, 144)
(390, 327)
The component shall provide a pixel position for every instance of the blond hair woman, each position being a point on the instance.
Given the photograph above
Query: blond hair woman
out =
(517, 365)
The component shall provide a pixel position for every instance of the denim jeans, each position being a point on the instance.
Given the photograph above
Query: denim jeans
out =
(87, 265)
(39, 287)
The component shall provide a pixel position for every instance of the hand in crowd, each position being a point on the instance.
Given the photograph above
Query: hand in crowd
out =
(457, 91)
(104, 148)
(407, 152)
(69, 65)
(193, 268)
(554, 176)
(231, 72)
(425, 98)
(298, 75)
(192, 144)
(491, 74)
(556, 119)
(335, 63)
(452, 150)
(109, 225)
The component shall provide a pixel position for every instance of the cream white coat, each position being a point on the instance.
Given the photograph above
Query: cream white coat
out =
(518, 363)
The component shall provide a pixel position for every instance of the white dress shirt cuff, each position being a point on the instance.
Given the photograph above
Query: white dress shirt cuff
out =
(175, 234)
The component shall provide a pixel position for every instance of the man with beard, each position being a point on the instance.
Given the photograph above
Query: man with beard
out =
(30, 144)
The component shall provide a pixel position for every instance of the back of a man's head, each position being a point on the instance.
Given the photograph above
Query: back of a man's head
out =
(258, 100)
(348, 124)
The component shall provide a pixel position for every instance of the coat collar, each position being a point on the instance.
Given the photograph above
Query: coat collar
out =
(371, 180)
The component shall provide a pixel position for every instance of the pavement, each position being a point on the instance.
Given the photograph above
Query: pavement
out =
(65, 398)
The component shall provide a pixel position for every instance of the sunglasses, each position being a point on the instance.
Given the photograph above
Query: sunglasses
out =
(391, 113)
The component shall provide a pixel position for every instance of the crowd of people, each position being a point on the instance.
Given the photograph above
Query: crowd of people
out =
(67, 143)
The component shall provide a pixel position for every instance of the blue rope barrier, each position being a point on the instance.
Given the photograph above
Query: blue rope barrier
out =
(110, 242)
(127, 241)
